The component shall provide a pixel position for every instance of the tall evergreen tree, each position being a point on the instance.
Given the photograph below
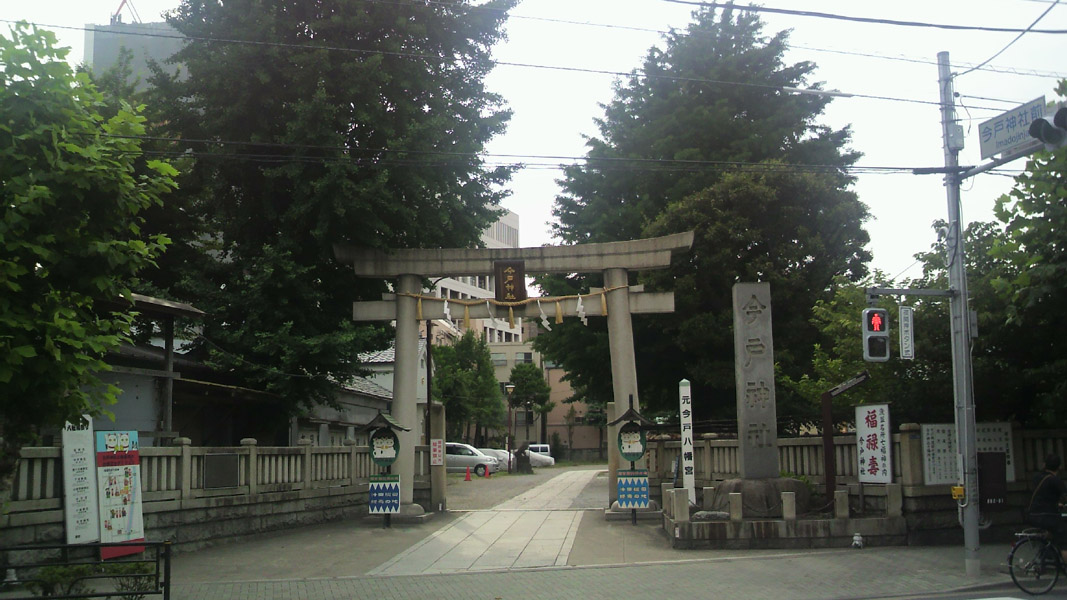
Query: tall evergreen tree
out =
(705, 137)
(310, 124)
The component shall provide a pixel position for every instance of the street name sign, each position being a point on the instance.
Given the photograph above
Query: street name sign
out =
(1010, 130)
(906, 317)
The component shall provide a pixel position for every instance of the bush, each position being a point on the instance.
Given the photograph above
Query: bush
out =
(61, 580)
(132, 576)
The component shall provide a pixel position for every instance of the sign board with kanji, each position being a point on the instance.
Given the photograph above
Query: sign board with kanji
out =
(81, 512)
(874, 444)
(510, 280)
(633, 488)
(941, 455)
(687, 462)
(437, 452)
(906, 317)
(1010, 130)
(383, 496)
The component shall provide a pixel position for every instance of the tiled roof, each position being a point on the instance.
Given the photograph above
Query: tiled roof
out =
(388, 355)
(366, 387)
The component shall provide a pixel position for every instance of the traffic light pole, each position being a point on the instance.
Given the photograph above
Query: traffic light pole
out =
(961, 338)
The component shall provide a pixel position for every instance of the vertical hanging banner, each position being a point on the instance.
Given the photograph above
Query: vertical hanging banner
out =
(118, 471)
(80, 507)
(383, 497)
(687, 463)
(874, 442)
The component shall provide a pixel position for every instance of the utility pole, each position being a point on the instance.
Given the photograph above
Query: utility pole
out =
(959, 315)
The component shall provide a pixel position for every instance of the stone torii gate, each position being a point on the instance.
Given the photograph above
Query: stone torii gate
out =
(408, 305)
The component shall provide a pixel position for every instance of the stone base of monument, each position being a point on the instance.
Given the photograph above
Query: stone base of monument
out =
(760, 498)
(617, 513)
(738, 527)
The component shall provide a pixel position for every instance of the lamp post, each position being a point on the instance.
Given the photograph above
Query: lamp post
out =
(509, 388)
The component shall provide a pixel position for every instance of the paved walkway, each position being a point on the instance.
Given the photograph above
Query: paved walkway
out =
(556, 550)
(534, 529)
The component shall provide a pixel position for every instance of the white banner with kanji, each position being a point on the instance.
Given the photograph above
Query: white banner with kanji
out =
(874, 444)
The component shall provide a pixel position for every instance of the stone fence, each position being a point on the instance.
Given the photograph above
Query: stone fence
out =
(929, 510)
(194, 495)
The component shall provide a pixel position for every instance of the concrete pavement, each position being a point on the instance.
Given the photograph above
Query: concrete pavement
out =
(534, 529)
(558, 550)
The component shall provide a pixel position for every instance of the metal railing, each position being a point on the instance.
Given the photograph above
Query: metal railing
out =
(76, 571)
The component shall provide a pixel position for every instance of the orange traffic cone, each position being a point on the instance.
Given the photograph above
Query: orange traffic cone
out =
(487, 471)
(468, 478)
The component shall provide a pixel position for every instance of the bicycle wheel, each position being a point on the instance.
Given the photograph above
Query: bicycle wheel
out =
(1032, 566)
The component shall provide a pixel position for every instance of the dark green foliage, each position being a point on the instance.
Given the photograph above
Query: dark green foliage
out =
(1005, 356)
(464, 381)
(369, 147)
(532, 390)
(74, 188)
(1035, 283)
(795, 227)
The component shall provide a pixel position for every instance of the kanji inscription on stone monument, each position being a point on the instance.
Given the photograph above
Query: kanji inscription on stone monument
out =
(754, 375)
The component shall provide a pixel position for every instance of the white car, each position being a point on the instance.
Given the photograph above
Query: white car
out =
(501, 456)
(540, 460)
(460, 457)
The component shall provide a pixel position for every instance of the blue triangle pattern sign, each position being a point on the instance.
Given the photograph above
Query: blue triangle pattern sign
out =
(384, 495)
(633, 488)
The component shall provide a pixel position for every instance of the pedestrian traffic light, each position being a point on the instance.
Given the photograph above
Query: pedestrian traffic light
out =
(1051, 131)
(875, 335)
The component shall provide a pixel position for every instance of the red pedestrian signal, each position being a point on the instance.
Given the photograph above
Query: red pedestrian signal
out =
(875, 320)
(875, 335)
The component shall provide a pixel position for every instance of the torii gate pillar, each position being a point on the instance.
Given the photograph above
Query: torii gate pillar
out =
(405, 380)
(621, 341)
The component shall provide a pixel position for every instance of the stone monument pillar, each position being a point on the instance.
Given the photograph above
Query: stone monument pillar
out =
(757, 425)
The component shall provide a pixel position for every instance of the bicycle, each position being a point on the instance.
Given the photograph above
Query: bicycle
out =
(1035, 562)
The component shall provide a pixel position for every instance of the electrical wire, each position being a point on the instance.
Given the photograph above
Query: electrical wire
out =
(635, 73)
(871, 20)
(1021, 34)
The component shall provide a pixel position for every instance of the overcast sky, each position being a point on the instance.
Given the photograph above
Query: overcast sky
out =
(554, 107)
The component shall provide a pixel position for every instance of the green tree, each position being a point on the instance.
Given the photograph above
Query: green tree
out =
(74, 186)
(531, 390)
(921, 390)
(667, 160)
(338, 123)
(1035, 246)
(465, 382)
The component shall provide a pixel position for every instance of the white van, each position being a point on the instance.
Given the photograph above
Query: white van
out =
(541, 449)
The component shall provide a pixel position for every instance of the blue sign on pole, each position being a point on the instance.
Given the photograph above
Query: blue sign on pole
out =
(633, 488)
(384, 495)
